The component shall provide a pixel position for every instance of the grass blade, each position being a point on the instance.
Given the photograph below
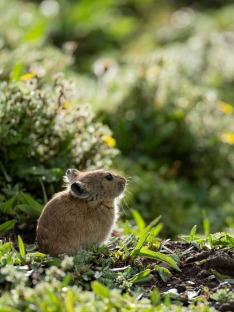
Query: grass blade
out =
(139, 245)
(144, 252)
(29, 210)
(6, 247)
(21, 249)
(69, 301)
(17, 71)
(139, 220)
(192, 233)
(36, 208)
(6, 226)
(153, 223)
(6, 208)
(206, 224)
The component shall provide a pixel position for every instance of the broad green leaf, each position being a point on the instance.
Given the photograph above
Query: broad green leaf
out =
(36, 208)
(144, 252)
(139, 220)
(6, 226)
(139, 276)
(6, 247)
(21, 247)
(192, 233)
(6, 208)
(100, 290)
(29, 210)
(140, 243)
(164, 273)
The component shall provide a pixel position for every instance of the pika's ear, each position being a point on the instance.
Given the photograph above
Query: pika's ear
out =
(78, 190)
(72, 173)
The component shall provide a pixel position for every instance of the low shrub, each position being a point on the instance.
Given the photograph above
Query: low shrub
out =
(43, 132)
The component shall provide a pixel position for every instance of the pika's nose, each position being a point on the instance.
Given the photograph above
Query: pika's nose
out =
(121, 185)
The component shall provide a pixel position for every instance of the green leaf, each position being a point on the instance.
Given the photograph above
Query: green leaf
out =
(52, 261)
(230, 240)
(139, 276)
(139, 245)
(6, 208)
(155, 297)
(222, 278)
(66, 280)
(100, 290)
(6, 226)
(29, 210)
(36, 255)
(7, 309)
(153, 223)
(43, 191)
(139, 220)
(35, 33)
(69, 301)
(17, 72)
(206, 224)
(6, 247)
(36, 208)
(192, 233)
(164, 273)
(21, 247)
(158, 256)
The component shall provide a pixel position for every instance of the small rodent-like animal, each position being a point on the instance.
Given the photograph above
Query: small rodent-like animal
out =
(82, 215)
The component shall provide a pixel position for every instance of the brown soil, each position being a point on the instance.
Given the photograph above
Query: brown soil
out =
(196, 277)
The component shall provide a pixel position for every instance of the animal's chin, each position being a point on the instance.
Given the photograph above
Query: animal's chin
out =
(121, 195)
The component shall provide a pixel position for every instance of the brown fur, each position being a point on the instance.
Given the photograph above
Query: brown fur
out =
(82, 215)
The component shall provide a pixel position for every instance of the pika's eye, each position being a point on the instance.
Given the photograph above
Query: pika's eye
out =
(109, 177)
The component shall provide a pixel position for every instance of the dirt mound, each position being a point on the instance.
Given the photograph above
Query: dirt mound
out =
(202, 274)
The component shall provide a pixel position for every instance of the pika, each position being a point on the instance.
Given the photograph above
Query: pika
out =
(83, 214)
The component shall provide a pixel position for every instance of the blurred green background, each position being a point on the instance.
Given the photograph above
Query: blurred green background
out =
(147, 89)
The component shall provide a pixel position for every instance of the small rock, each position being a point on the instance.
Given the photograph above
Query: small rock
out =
(190, 283)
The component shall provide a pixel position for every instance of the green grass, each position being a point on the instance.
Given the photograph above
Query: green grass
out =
(115, 276)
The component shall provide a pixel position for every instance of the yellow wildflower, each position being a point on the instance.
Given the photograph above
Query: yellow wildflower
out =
(228, 137)
(109, 140)
(28, 76)
(225, 108)
(67, 105)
